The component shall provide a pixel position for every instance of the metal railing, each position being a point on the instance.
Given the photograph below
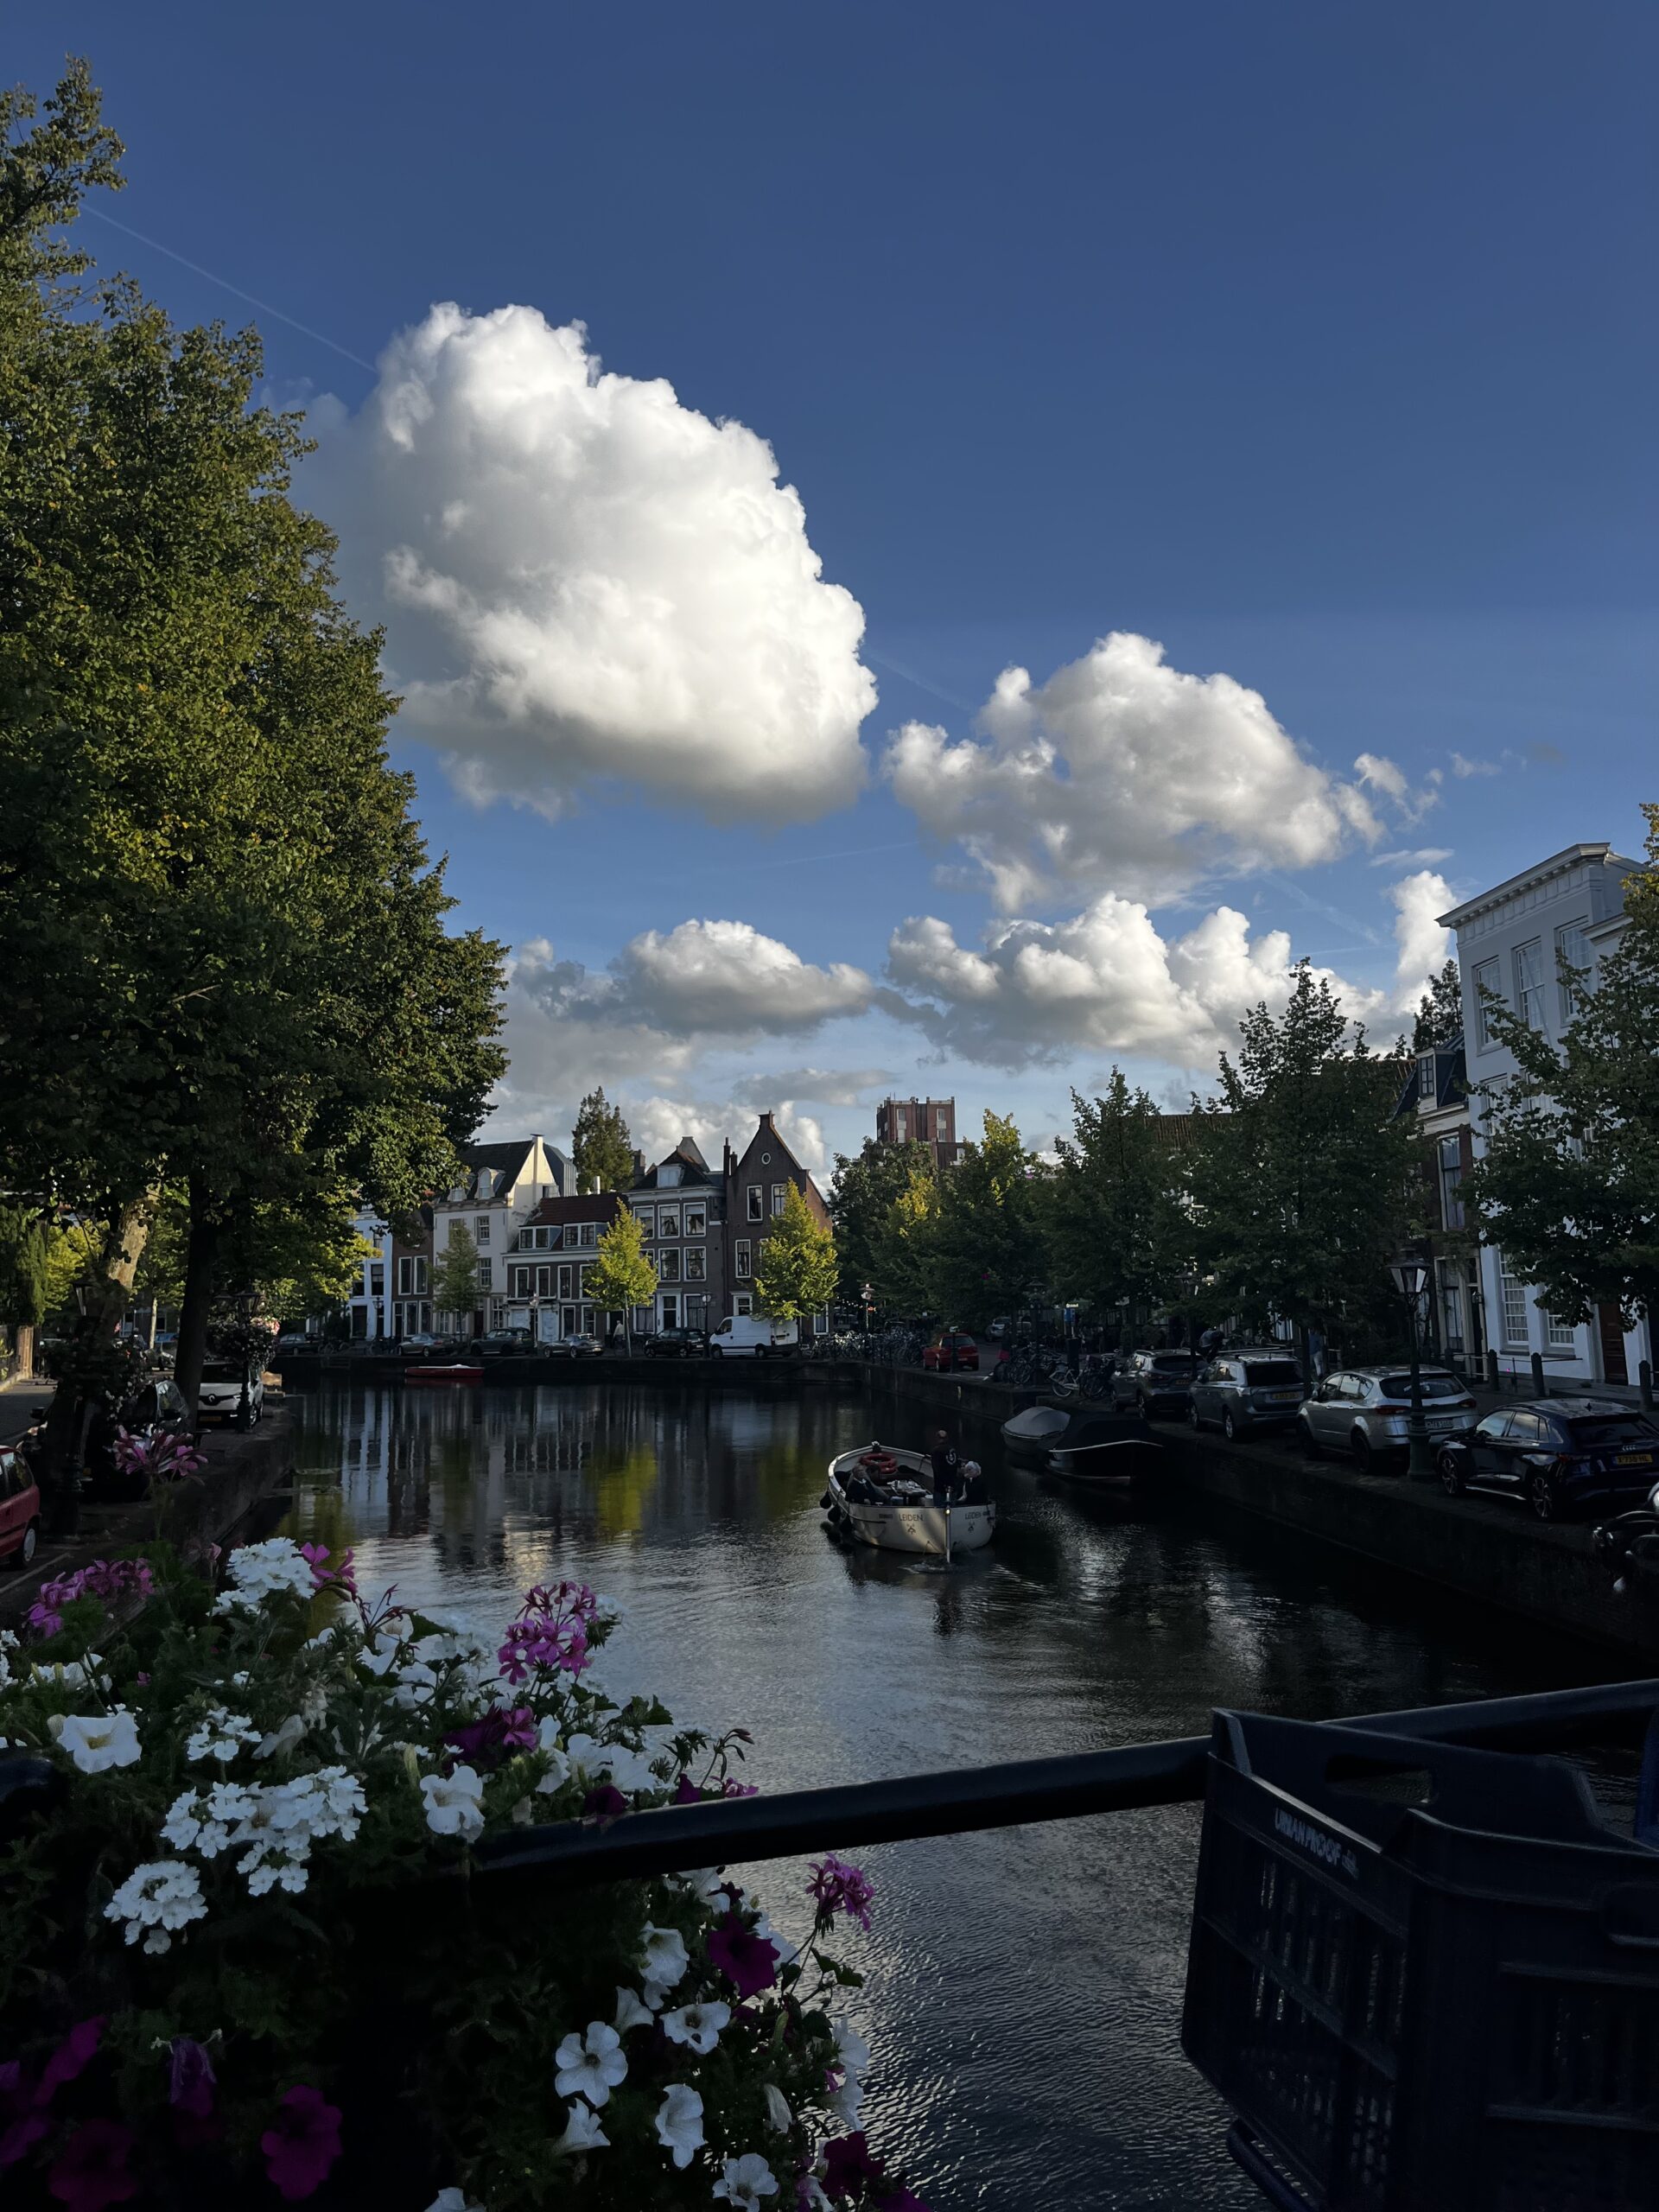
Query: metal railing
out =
(675, 1838)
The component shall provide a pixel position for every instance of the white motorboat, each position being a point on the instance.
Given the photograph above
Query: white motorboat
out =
(882, 1497)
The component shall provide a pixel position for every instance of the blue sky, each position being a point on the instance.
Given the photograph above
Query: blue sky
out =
(1314, 343)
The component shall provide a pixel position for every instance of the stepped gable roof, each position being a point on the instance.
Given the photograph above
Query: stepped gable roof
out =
(694, 1168)
(492, 1168)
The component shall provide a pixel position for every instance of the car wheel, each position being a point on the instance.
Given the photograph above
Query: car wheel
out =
(1452, 1480)
(1229, 1427)
(1543, 1497)
(1364, 1457)
(1192, 1416)
(1307, 1442)
(24, 1554)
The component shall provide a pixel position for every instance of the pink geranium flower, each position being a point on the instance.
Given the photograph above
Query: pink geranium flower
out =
(303, 2143)
(748, 1962)
(838, 1887)
(91, 2171)
(342, 1576)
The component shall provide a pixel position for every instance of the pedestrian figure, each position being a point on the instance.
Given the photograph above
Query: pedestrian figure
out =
(947, 1468)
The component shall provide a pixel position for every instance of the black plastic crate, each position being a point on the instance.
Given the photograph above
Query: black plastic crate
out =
(1426, 1978)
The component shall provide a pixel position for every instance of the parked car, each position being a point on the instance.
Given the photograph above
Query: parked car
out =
(1255, 1388)
(156, 1408)
(503, 1343)
(220, 1397)
(1155, 1383)
(1364, 1410)
(951, 1351)
(1002, 1327)
(678, 1344)
(755, 1336)
(20, 1509)
(580, 1347)
(296, 1343)
(1560, 1454)
(420, 1340)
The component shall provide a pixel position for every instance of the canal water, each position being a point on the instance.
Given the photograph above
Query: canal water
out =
(1024, 1990)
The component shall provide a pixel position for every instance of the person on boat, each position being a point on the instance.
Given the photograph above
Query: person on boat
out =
(947, 1469)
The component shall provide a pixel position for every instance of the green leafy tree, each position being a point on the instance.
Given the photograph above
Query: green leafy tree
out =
(984, 1248)
(865, 1191)
(602, 1149)
(1117, 1230)
(1569, 1182)
(1440, 1011)
(1302, 1182)
(796, 1270)
(621, 1277)
(455, 1275)
(226, 951)
(902, 1257)
(24, 1282)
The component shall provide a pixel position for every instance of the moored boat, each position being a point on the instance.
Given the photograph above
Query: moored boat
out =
(458, 1371)
(1082, 1445)
(880, 1496)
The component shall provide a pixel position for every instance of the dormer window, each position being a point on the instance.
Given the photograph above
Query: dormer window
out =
(668, 1176)
(1427, 1088)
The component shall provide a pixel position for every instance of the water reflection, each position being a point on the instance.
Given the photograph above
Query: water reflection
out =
(1024, 1988)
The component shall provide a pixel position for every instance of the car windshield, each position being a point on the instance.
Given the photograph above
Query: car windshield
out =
(1172, 1362)
(1434, 1386)
(1269, 1374)
(1606, 1431)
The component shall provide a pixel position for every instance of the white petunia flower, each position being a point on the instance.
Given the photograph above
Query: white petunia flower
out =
(698, 2025)
(277, 1568)
(705, 1882)
(590, 2065)
(787, 1952)
(69, 1674)
(97, 1741)
(745, 2180)
(286, 1739)
(845, 2102)
(455, 1803)
(778, 2111)
(664, 1961)
(582, 2131)
(630, 2012)
(220, 1737)
(809, 2196)
(852, 2052)
(381, 1655)
(679, 2123)
(558, 1766)
(454, 2200)
(156, 1898)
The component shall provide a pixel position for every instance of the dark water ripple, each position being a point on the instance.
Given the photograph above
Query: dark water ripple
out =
(1024, 1986)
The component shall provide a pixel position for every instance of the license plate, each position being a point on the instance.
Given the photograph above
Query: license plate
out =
(1634, 1459)
(1442, 1423)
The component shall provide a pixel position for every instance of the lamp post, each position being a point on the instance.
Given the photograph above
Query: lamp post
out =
(1410, 1274)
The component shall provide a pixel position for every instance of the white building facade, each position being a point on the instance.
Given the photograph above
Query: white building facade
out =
(1510, 942)
(369, 1307)
(504, 1186)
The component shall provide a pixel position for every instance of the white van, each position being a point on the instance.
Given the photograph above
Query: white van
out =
(754, 1336)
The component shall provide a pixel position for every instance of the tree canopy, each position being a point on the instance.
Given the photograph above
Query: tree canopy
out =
(1440, 1011)
(796, 1268)
(602, 1149)
(983, 1248)
(1569, 1182)
(621, 1277)
(454, 1274)
(865, 1192)
(1118, 1232)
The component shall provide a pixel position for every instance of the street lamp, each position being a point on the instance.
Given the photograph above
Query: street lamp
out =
(1411, 1278)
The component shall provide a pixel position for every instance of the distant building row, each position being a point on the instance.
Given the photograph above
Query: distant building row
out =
(536, 1240)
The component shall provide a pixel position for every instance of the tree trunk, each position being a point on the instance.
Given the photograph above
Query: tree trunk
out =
(90, 1362)
(200, 1262)
(22, 1346)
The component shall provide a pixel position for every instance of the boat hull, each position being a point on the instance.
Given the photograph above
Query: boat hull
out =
(919, 1527)
(457, 1374)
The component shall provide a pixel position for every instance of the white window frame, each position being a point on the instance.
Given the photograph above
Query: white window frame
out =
(696, 1221)
(755, 1202)
(1558, 1335)
(1488, 986)
(742, 1302)
(696, 1264)
(1513, 1302)
(567, 1280)
(668, 1264)
(647, 1218)
(741, 1253)
(481, 1229)
(1570, 946)
(779, 1199)
(486, 1274)
(668, 1223)
(1529, 981)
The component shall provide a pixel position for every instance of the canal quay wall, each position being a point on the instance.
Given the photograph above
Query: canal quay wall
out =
(242, 1475)
(1483, 1549)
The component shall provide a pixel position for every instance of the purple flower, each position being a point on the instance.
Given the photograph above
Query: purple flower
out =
(192, 2079)
(838, 1887)
(546, 1640)
(604, 1803)
(303, 2143)
(20, 2125)
(91, 2171)
(748, 1962)
(732, 1788)
(486, 1743)
(686, 1792)
(106, 1579)
(324, 1577)
(73, 2055)
(849, 2164)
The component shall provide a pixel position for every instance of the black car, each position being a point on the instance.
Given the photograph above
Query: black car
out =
(678, 1344)
(1155, 1383)
(1560, 1454)
(156, 1408)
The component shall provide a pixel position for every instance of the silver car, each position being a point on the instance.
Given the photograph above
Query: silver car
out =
(1364, 1410)
(1238, 1391)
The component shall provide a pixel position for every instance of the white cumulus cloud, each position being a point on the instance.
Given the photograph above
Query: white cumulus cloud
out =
(1104, 980)
(588, 584)
(1424, 947)
(1120, 774)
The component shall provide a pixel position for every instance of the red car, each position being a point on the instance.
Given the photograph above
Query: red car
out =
(20, 1509)
(950, 1348)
